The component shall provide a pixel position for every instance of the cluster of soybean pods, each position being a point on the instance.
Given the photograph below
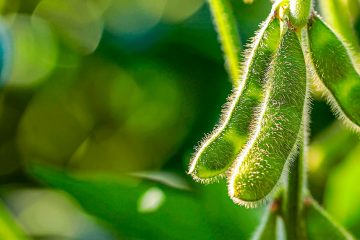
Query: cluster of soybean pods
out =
(265, 122)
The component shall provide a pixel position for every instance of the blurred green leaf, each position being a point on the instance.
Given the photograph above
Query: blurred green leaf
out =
(51, 214)
(326, 151)
(119, 203)
(9, 230)
(268, 227)
(141, 209)
(342, 192)
(320, 225)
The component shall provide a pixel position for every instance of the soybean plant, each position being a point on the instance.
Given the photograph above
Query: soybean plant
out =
(261, 140)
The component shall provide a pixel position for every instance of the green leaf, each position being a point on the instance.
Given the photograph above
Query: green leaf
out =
(326, 151)
(9, 230)
(342, 188)
(270, 227)
(319, 225)
(145, 210)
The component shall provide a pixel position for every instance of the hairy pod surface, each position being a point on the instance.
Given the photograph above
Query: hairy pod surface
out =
(336, 71)
(260, 165)
(339, 15)
(218, 152)
(300, 12)
(318, 223)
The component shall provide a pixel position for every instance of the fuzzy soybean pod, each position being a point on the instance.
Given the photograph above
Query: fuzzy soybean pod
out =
(336, 72)
(220, 149)
(259, 167)
(300, 12)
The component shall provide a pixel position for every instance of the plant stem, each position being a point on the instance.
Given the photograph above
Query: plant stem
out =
(295, 193)
(300, 12)
(225, 23)
(294, 198)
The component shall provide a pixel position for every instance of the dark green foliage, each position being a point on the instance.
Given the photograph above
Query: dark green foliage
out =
(180, 215)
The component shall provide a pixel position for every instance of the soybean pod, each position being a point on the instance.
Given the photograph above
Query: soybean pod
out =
(335, 70)
(338, 14)
(260, 165)
(217, 153)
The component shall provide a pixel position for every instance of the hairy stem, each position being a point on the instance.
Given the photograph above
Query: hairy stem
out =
(300, 12)
(296, 188)
(294, 198)
(225, 23)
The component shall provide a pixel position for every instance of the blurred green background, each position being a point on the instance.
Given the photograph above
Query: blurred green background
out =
(101, 105)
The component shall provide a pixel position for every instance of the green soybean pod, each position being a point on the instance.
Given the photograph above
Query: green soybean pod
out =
(339, 15)
(300, 12)
(318, 223)
(220, 149)
(259, 167)
(336, 72)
